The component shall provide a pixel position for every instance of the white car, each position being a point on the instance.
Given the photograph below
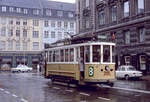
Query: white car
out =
(21, 68)
(128, 71)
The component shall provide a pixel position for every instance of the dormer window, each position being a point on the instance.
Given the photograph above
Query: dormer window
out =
(11, 9)
(3, 8)
(36, 12)
(25, 11)
(59, 13)
(18, 10)
(48, 13)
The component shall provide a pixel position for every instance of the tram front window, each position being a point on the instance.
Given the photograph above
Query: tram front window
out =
(106, 53)
(96, 53)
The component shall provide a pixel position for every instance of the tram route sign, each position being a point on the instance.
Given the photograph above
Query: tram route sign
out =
(91, 71)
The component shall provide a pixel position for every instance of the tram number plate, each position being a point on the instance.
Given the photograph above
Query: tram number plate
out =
(106, 73)
(91, 71)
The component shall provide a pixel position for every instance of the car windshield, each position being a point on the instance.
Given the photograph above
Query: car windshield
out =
(131, 69)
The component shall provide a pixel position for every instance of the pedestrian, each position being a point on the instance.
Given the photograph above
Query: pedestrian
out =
(38, 68)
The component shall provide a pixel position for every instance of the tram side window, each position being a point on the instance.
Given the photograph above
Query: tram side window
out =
(113, 54)
(46, 55)
(54, 56)
(50, 56)
(71, 55)
(57, 56)
(87, 53)
(96, 53)
(66, 55)
(106, 53)
(77, 54)
(62, 55)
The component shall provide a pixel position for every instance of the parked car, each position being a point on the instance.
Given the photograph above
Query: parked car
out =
(22, 68)
(128, 71)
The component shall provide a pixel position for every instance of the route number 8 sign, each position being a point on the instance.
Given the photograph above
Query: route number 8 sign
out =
(91, 71)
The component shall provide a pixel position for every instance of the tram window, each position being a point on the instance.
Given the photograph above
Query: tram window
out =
(77, 54)
(62, 55)
(96, 53)
(113, 53)
(46, 55)
(106, 53)
(50, 56)
(57, 56)
(87, 53)
(66, 55)
(71, 55)
(54, 56)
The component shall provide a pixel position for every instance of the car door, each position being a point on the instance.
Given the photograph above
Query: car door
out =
(118, 72)
(122, 72)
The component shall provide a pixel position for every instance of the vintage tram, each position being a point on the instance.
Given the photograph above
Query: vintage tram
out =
(84, 63)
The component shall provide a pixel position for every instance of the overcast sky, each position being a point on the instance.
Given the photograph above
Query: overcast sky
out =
(70, 1)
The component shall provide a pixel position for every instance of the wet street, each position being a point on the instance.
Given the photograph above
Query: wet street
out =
(32, 87)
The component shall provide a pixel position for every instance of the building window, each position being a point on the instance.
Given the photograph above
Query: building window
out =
(87, 3)
(25, 46)
(59, 24)
(18, 22)
(11, 9)
(101, 17)
(126, 9)
(17, 45)
(25, 22)
(18, 10)
(52, 34)
(52, 23)
(3, 21)
(35, 34)
(65, 24)
(71, 24)
(3, 8)
(10, 32)
(59, 13)
(127, 60)
(3, 31)
(10, 45)
(2, 45)
(46, 34)
(25, 33)
(87, 23)
(35, 22)
(141, 34)
(35, 46)
(48, 13)
(114, 13)
(36, 12)
(142, 62)
(17, 33)
(140, 6)
(10, 21)
(25, 11)
(59, 35)
(127, 37)
(46, 23)
(70, 14)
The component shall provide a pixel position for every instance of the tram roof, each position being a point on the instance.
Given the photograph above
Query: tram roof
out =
(81, 44)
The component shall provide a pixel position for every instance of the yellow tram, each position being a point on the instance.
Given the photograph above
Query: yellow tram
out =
(85, 63)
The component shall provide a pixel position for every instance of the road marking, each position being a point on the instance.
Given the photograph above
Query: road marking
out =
(7, 92)
(69, 90)
(1, 89)
(126, 89)
(23, 100)
(106, 99)
(14, 95)
(84, 94)
(56, 88)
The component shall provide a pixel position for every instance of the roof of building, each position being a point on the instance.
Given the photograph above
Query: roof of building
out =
(59, 5)
(22, 3)
(39, 4)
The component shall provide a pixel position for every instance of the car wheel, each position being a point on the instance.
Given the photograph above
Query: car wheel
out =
(126, 77)
(19, 71)
(28, 71)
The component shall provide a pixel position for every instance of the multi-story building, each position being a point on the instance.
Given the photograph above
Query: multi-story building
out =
(58, 21)
(20, 32)
(128, 21)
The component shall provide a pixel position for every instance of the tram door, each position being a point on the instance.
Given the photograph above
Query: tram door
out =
(82, 62)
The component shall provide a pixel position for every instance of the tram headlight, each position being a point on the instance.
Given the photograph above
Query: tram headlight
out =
(107, 68)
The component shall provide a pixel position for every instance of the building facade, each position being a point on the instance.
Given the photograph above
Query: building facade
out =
(59, 22)
(125, 22)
